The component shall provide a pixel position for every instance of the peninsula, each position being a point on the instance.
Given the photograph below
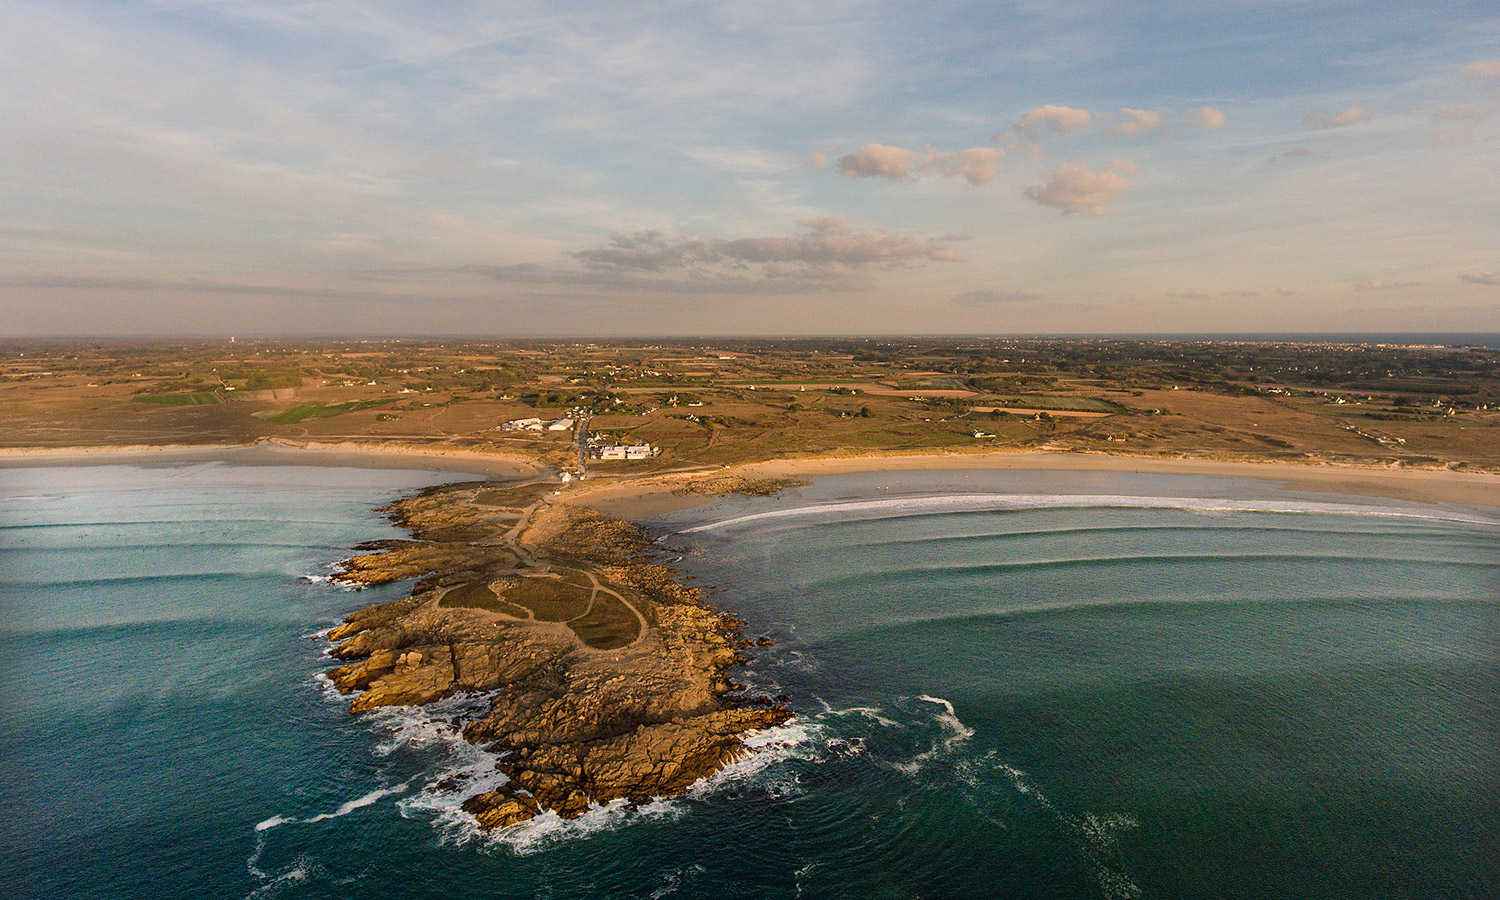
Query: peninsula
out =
(609, 676)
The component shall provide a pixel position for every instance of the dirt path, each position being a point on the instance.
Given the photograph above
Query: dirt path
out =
(599, 588)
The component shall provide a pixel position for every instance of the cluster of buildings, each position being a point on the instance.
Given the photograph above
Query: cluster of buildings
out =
(535, 424)
(540, 424)
(625, 451)
(601, 448)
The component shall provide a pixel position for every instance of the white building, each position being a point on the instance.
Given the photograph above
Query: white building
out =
(560, 425)
(523, 425)
(626, 451)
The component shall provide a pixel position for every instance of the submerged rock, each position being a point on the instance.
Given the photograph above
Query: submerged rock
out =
(607, 672)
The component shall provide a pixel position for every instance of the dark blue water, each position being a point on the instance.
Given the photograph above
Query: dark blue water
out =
(1001, 694)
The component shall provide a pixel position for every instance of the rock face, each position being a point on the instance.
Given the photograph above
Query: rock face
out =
(608, 674)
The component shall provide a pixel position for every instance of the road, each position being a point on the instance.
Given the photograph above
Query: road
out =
(582, 433)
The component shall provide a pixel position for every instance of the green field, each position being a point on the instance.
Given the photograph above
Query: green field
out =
(931, 384)
(197, 399)
(321, 410)
(1044, 401)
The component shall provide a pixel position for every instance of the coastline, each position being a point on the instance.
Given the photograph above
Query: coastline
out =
(657, 496)
(628, 696)
(606, 675)
(644, 496)
(280, 452)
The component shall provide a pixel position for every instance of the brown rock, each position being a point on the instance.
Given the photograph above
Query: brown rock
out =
(582, 726)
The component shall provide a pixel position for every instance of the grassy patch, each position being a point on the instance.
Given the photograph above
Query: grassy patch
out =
(1045, 401)
(931, 384)
(511, 497)
(609, 626)
(480, 596)
(201, 398)
(551, 599)
(304, 411)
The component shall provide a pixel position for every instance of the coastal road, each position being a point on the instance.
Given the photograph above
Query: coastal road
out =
(582, 434)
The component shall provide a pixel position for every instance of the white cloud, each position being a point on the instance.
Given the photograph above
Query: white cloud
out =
(994, 298)
(1482, 278)
(1376, 285)
(1136, 122)
(1482, 72)
(826, 243)
(1062, 120)
(977, 165)
(1079, 189)
(1208, 118)
(1353, 115)
(876, 161)
(1463, 113)
(741, 160)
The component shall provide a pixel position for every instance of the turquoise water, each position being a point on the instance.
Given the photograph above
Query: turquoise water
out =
(1152, 687)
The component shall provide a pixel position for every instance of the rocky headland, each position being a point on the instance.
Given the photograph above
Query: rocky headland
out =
(608, 675)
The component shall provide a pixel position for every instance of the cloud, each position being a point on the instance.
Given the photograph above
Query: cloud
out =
(829, 254)
(977, 165)
(200, 286)
(1294, 153)
(1375, 285)
(1066, 120)
(1463, 113)
(876, 161)
(818, 160)
(1481, 278)
(1062, 120)
(994, 298)
(1207, 118)
(1482, 72)
(1188, 295)
(741, 160)
(826, 242)
(1341, 119)
(1079, 189)
(1136, 122)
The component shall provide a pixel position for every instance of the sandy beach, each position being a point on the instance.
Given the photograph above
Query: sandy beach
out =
(642, 499)
(286, 453)
(636, 498)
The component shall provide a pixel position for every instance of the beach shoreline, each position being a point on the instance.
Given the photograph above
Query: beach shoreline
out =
(279, 452)
(644, 496)
(643, 499)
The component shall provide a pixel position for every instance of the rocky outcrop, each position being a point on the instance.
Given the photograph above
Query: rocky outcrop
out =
(626, 699)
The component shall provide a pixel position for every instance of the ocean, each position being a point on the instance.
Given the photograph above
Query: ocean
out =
(1008, 684)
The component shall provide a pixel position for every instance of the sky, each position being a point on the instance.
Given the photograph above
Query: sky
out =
(759, 168)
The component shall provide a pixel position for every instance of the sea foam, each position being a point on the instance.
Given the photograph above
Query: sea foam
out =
(926, 505)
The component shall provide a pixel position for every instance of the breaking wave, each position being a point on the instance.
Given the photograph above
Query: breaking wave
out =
(899, 507)
(953, 733)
